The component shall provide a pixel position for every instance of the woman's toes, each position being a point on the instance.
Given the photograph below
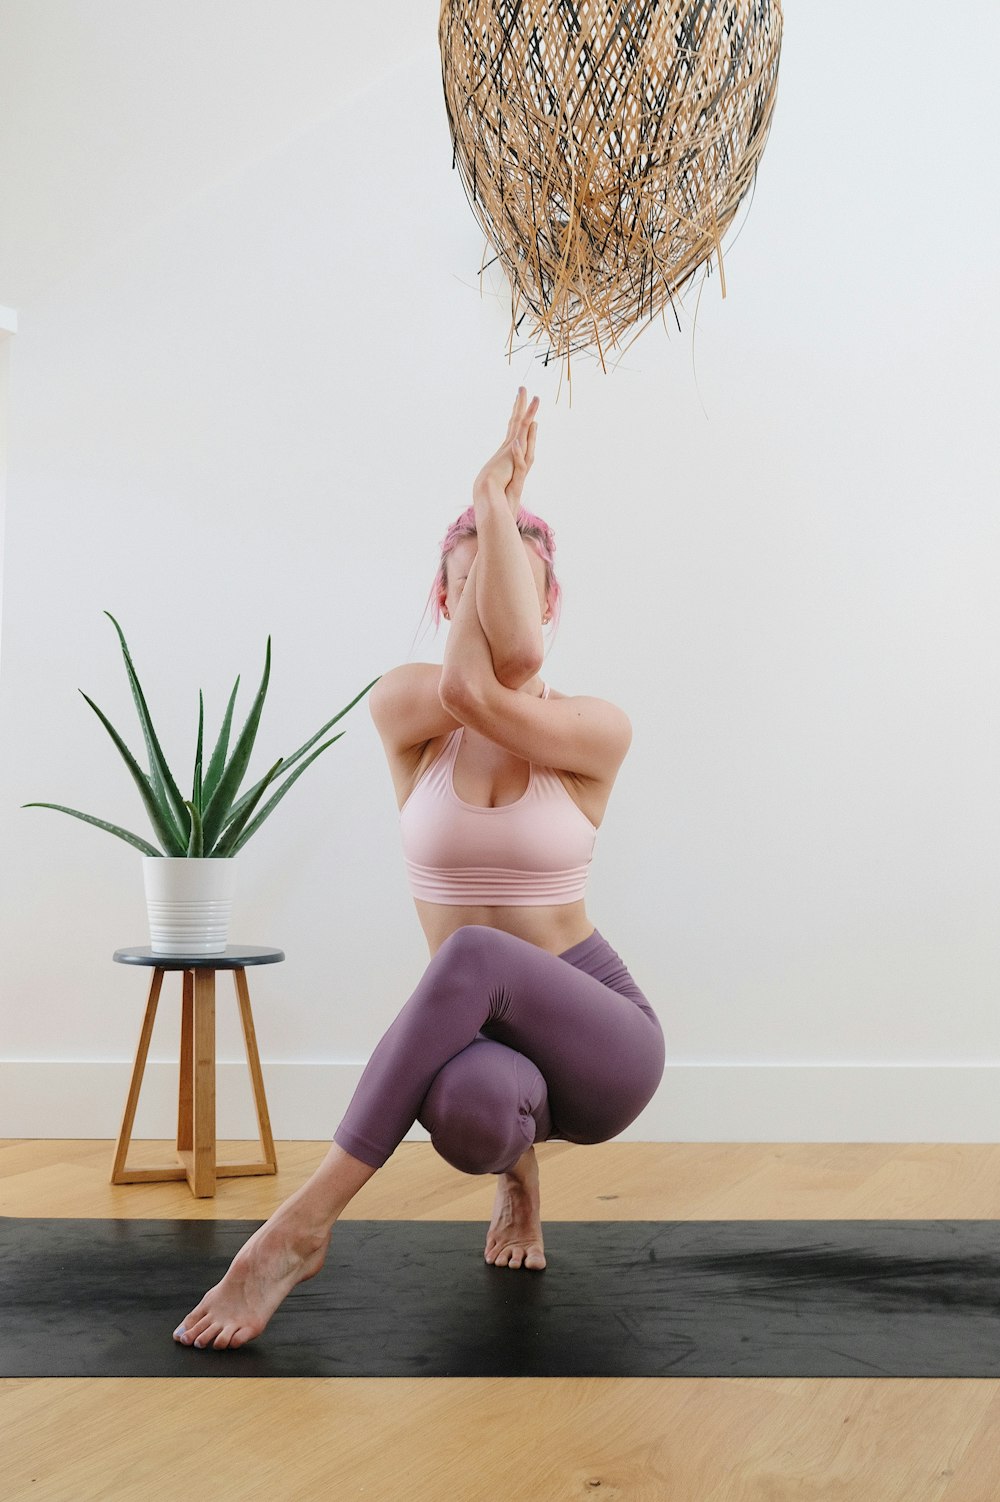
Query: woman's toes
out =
(518, 1255)
(189, 1325)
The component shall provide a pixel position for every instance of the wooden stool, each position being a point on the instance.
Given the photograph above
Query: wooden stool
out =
(196, 1104)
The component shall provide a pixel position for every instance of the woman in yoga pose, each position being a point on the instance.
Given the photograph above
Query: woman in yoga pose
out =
(526, 1025)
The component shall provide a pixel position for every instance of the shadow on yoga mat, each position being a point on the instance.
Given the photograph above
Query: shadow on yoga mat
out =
(402, 1298)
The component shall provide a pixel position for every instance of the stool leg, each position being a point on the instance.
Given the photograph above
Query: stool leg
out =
(202, 1178)
(118, 1174)
(185, 1093)
(256, 1074)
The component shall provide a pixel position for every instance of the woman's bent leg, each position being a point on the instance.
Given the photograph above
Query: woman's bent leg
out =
(486, 1107)
(599, 1052)
(578, 1019)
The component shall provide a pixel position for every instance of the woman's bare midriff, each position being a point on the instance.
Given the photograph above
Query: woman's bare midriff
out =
(552, 928)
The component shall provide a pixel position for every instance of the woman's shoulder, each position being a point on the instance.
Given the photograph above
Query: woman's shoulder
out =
(407, 709)
(407, 673)
(611, 715)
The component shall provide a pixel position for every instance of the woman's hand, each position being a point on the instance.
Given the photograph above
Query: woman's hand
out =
(508, 469)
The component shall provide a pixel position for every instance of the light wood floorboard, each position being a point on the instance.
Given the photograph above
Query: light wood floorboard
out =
(483, 1440)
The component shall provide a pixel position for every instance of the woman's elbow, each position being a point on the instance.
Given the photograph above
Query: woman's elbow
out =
(455, 692)
(519, 668)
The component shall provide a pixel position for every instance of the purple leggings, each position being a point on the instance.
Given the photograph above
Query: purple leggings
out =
(503, 1044)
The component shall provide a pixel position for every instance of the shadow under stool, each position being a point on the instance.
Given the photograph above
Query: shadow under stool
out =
(196, 1146)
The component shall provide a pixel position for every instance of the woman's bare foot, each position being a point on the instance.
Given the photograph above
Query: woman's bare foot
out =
(282, 1252)
(515, 1234)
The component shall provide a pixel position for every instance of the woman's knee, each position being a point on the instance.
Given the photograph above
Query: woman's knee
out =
(604, 1122)
(476, 1131)
(473, 1145)
(468, 960)
(466, 946)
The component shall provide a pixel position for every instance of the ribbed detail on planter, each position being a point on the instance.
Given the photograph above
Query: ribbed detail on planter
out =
(188, 902)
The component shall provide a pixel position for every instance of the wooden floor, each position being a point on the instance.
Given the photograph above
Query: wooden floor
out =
(486, 1440)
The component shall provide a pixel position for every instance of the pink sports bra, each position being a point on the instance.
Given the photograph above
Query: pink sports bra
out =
(533, 852)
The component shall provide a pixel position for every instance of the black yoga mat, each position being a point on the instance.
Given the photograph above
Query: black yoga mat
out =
(401, 1298)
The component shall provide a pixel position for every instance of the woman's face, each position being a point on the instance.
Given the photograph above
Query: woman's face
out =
(460, 562)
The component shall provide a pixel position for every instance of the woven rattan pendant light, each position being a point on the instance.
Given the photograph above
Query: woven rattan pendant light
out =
(605, 146)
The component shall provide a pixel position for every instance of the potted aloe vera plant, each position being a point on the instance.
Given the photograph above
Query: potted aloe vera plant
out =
(189, 881)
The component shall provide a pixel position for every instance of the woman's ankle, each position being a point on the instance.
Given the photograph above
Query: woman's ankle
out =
(305, 1217)
(525, 1169)
(335, 1183)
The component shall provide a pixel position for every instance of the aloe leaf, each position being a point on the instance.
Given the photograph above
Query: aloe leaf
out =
(196, 790)
(123, 834)
(157, 763)
(218, 761)
(196, 844)
(165, 832)
(270, 804)
(291, 760)
(218, 807)
(235, 827)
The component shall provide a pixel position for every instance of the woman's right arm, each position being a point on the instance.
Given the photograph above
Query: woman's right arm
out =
(506, 599)
(407, 709)
(405, 702)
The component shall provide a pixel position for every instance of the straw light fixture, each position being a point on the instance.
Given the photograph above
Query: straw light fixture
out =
(605, 146)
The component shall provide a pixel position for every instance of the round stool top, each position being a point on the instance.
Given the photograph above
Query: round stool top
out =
(233, 957)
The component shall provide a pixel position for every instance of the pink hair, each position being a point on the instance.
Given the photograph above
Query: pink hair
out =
(531, 527)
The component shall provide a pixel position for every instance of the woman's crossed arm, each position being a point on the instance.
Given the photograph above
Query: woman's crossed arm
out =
(583, 735)
(506, 597)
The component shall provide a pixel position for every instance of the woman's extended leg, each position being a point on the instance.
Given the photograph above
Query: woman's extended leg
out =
(287, 1249)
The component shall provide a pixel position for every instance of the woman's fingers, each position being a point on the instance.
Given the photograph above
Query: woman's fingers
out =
(518, 448)
(516, 411)
(519, 417)
(523, 428)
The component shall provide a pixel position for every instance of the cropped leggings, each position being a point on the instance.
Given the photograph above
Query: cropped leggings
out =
(503, 1044)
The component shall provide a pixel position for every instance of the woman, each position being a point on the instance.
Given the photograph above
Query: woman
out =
(525, 1025)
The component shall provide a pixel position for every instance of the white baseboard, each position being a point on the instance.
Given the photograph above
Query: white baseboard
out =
(695, 1102)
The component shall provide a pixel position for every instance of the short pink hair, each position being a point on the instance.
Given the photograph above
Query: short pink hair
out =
(531, 527)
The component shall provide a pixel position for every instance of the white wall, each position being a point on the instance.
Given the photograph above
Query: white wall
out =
(8, 327)
(252, 380)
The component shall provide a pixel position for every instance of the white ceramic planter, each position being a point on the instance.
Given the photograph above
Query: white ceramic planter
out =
(188, 901)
